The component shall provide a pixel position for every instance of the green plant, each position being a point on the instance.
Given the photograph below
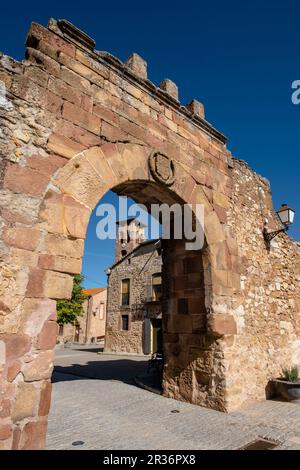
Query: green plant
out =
(290, 374)
(69, 310)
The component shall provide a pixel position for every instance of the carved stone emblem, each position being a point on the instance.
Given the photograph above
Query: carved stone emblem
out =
(162, 168)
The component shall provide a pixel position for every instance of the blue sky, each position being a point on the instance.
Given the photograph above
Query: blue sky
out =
(239, 58)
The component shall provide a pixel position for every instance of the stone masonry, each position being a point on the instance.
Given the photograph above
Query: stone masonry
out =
(138, 266)
(75, 123)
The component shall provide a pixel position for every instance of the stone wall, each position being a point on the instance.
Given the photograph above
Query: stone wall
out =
(139, 269)
(267, 309)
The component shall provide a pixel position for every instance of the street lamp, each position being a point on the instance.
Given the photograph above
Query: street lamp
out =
(286, 217)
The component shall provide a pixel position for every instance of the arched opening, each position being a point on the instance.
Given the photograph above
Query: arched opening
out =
(192, 327)
(176, 324)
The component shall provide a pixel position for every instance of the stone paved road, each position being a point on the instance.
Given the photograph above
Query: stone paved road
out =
(112, 413)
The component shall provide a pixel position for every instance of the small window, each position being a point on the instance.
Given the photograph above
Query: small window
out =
(156, 286)
(61, 330)
(101, 311)
(124, 252)
(125, 291)
(125, 322)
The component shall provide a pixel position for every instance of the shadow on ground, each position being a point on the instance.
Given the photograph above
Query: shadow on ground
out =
(123, 370)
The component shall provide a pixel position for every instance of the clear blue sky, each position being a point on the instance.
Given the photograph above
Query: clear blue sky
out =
(239, 58)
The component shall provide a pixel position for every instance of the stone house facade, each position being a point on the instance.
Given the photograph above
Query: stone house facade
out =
(90, 326)
(75, 123)
(134, 314)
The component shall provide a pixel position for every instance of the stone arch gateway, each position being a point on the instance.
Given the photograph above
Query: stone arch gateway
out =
(75, 123)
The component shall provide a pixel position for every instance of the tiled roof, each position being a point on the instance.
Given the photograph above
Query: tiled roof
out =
(93, 291)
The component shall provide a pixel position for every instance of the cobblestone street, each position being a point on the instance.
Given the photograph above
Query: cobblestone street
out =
(113, 413)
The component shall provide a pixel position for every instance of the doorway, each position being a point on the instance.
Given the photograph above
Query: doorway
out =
(156, 336)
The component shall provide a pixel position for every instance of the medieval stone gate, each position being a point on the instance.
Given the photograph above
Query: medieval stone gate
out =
(75, 123)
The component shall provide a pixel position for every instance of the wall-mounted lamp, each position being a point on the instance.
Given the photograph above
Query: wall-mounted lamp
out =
(286, 217)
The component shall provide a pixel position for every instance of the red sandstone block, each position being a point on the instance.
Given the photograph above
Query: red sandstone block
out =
(64, 90)
(53, 103)
(43, 34)
(25, 180)
(106, 114)
(71, 131)
(33, 435)
(46, 165)
(221, 213)
(81, 69)
(63, 146)
(13, 217)
(43, 283)
(5, 408)
(16, 345)
(45, 399)
(60, 263)
(47, 336)
(112, 133)
(92, 64)
(12, 370)
(87, 103)
(22, 237)
(222, 324)
(37, 75)
(5, 431)
(48, 64)
(82, 118)
(76, 80)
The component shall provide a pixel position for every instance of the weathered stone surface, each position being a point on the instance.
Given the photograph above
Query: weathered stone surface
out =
(36, 313)
(220, 324)
(196, 108)
(39, 368)
(64, 146)
(48, 335)
(63, 214)
(60, 263)
(45, 399)
(16, 345)
(22, 237)
(137, 65)
(33, 435)
(5, 431)
(169, 87)
(25, 402)
(25, 180)
(50, 284)
(13, 370)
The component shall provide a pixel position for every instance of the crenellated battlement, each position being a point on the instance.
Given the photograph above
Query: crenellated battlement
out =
(134, 70)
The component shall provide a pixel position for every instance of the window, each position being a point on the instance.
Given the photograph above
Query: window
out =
(101, 310)
(156, 286)
(61, 330)
(125, 288)
(125, 322)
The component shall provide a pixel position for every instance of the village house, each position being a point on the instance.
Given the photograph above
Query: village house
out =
(134, 314)
(90, 327)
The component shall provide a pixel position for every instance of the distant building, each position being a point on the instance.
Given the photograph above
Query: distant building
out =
(134, 315)
(90, 327)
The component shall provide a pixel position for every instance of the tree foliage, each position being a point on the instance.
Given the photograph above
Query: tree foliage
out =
(69, 310)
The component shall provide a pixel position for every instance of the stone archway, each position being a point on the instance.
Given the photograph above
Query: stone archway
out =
(64, 213)
(76, 122)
